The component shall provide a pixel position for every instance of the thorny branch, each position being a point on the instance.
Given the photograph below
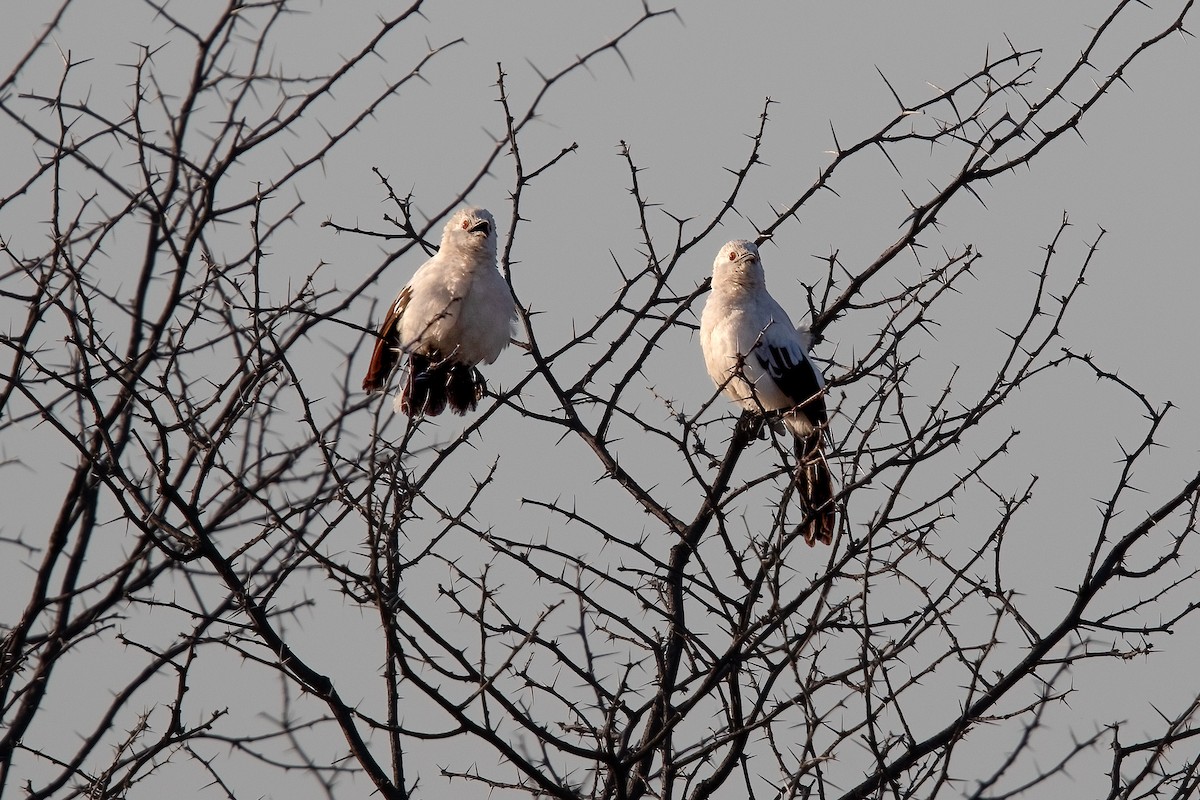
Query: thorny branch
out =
(651, 631)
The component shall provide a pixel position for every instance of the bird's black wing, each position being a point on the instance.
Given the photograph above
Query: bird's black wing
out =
(795, 375)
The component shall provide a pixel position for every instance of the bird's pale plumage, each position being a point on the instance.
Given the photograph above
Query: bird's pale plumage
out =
(455, 313)
(760, 360)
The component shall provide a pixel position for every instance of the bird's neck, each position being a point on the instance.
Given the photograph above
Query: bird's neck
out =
(739, 286)
(472, 259)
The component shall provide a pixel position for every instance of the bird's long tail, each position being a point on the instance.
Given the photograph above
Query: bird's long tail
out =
(432, 383)
(814, 484)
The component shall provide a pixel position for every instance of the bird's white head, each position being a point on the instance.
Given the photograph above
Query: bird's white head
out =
(470, 229)
(738, 263)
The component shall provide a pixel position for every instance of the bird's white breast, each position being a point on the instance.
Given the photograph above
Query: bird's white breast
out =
(460, 308)
(729, 330)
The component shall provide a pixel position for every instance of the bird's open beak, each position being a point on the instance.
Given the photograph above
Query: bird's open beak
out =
(483, 226)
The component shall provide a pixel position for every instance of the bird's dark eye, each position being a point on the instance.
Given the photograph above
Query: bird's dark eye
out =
(466, 224)
(732, 256)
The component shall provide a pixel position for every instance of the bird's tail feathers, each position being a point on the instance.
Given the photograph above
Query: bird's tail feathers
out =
(465, 387)
(432, 384)
(814, 484)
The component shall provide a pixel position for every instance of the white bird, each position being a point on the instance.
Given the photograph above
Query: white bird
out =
(757, 357)
(455, 313)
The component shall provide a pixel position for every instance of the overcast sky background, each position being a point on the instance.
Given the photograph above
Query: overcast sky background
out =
(694, 88)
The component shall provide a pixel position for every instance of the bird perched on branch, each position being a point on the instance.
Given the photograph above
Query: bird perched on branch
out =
(455, 313)
(757, 357)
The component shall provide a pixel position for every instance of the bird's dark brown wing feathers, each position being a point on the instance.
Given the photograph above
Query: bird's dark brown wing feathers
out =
(387, 345)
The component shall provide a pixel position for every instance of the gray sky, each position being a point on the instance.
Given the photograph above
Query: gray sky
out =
(694, 89)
